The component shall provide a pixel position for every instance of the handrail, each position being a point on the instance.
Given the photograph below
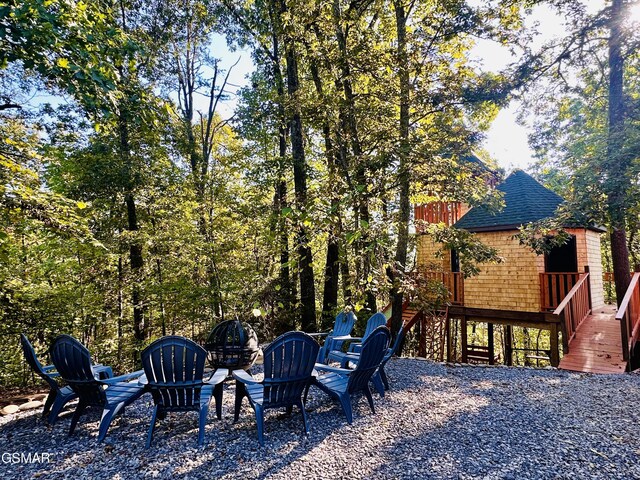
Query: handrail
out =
(629, 316)
(572, 292)
(575, 307)
(554, 287)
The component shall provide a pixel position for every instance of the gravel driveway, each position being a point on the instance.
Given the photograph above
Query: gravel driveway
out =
(438, 421)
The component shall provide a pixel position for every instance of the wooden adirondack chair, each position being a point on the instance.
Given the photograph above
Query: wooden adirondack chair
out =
(73, 362)
(341, 383)
(376, 320)
(379, 378)
(342, 327)
(288, 365)
(174, 374)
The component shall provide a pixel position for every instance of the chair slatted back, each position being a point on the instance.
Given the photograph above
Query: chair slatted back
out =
(399, 339)
(373, 351)
(376, 320)
(344, 324)
(73, 362)
(288, 364)
(34, 363)
(174, 367)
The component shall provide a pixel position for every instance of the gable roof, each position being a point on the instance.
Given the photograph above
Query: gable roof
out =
(525, 199)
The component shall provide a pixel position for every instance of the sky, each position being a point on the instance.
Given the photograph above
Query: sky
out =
(507, 140)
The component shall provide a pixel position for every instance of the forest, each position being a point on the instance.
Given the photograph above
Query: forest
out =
(133, 205)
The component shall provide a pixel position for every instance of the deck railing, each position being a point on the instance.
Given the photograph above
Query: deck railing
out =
(453, 281)
(629, 316)
(554, 287)
(438, 212)
(575, 307)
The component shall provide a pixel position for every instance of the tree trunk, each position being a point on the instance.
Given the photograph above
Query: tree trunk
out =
(305, 256)
(285, 295)
(135, 248)
(349, 125)
(617, 164)
(332, 264)
(404, 214)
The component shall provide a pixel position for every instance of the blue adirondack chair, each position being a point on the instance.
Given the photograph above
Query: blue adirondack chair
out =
(342, 327)
(288, 367)
(174, 374)
(376, 320)
(58, 396)
(341, 383)
(73, 362)
(379, 378)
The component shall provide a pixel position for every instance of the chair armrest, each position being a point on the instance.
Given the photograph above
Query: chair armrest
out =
(346, 338)
(123, 378)
(318, 334)
(243, 377)
(51, 371)
(327, 368)
(102, 372)
(218, 377)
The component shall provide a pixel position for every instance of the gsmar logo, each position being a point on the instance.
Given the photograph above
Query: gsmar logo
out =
(21, 457)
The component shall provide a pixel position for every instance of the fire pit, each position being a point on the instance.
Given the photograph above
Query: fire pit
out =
(232, 344)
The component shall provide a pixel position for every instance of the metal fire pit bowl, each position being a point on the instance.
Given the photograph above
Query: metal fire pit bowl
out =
(232, 344)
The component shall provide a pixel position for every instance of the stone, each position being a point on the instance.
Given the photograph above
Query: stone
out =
(9, 409)
(30, 405)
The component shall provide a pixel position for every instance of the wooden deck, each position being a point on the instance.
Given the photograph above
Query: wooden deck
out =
(597, 346)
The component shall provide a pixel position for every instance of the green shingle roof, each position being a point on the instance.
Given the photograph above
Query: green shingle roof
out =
(525, 201)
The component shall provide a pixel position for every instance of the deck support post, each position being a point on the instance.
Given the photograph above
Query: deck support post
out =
(490, 343)
(447, 336)
(555, 348)
(508, 345)
(463, 337)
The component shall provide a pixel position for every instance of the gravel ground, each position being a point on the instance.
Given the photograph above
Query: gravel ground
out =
(438, 421)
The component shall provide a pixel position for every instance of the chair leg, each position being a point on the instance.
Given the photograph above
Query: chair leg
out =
(76, 416)
(385, 380)
(377, 383)
(152, 427)
(217, 394)
(108, 413)
(345, 401)
(306, 392)
(240, 394)
(367, 393)
(58, 405)
(260, 423)
(304, 416)
(204, 410)
(49, 402)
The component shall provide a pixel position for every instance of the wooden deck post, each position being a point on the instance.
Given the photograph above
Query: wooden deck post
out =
(490, 341)
(447, 336)
(555, 348)
(463, 337)
(586, 270)
(508, 345)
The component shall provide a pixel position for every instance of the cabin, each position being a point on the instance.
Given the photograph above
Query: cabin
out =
(559, 292)
(524, 281)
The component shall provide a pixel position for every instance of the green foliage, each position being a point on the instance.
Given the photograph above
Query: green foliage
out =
(471, 250)
(125, 198)
(542, 236)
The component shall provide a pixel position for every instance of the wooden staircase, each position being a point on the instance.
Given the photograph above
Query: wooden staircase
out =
(597, 345)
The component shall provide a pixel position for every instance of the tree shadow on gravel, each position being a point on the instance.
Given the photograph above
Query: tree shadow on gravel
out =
(498, 423)
(230, 450)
